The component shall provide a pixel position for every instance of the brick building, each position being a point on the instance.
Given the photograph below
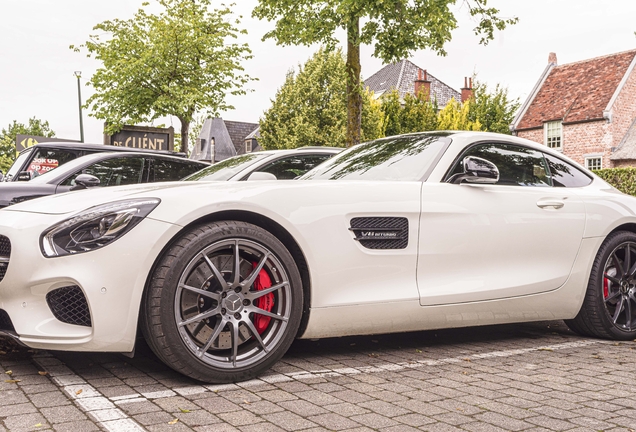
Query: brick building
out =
(585, 109)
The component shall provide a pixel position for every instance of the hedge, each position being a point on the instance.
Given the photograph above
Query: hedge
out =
(623, 179)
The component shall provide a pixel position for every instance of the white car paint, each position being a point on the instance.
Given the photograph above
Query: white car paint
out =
(543, 255)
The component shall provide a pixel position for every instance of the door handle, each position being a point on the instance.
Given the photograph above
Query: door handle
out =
(546, 203)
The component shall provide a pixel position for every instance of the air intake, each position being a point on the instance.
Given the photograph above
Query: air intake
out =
(381, 232)
(5, 254)
(5, 321)
(69, 305)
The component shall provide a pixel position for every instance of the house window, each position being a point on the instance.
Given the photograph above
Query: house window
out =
(248, 146)
(594, 163)
(553, 135)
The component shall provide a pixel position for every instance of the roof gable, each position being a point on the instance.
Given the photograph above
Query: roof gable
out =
(238, 131)
(402, 75)
(577, 92)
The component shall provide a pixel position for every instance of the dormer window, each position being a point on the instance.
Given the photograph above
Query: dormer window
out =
(553, 135)
(248, 146)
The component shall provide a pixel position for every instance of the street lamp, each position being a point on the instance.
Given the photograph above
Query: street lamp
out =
(78, 74)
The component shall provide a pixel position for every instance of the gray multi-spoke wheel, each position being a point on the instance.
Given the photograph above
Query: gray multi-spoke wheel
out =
(609, 307)
(224, 302)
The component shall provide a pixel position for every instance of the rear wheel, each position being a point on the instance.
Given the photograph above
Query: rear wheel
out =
(609, 308)
(224, 303)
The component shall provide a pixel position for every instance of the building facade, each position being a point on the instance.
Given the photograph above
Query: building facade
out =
(586, 109)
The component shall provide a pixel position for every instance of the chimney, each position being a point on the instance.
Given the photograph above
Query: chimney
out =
(422, 85)
(552, 59)
(467, 90)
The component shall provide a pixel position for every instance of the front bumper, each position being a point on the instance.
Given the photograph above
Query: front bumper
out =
(112, 280)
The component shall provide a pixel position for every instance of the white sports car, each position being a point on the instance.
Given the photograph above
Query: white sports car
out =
(414, 232)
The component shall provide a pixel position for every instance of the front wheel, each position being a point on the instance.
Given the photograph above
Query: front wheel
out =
(609, 307)
(224, 302)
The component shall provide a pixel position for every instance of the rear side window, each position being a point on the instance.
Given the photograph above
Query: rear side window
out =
(564, 174)
(290, 167)
(113, 172)
(171, 170)
(45, 160)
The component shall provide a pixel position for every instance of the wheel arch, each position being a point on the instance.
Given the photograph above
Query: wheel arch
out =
(267, 224)
(630, 226)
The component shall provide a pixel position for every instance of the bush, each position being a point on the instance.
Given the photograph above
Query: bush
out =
(623, 179)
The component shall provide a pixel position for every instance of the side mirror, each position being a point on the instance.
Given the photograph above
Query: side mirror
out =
(477, 171)
(24, 176)
(260, 175)
(84, 181)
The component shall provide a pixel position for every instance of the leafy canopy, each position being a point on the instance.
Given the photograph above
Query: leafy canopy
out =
(35, 127)
(494, 110)
(310, 108)
(179, 62)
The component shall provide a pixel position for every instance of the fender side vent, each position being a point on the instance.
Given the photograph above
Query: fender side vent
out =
(381, 232)
(5, 321)
(69, 305)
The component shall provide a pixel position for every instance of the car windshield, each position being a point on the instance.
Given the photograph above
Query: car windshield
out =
(226, 169)
(18, 163)
(402, 158)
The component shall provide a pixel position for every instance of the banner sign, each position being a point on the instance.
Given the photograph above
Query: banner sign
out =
(142, 137)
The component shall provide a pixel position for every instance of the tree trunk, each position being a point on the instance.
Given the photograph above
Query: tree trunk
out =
(354, 97)
(185, 130)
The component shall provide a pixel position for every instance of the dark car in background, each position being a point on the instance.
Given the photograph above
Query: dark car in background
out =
(44, 157)
(101, 169)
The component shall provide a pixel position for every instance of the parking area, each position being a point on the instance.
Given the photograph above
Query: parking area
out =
(530, 377)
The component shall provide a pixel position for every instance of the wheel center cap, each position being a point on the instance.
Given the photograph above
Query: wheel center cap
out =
(624, 287)
(233, 302)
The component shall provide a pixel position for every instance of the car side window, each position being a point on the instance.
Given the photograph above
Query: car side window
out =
(113, 172)
(290, 167)
(564, 174)
(518, 166)
(45, 160)
(172, 170)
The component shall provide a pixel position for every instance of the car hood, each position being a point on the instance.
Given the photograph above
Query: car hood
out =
(200, 192)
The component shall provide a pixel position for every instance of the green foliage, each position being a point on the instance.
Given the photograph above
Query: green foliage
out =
(623, 179)
(395, 28)
(456, 116)
(495, 110)
(310, 108)
(7, 138)
(178, 62)
(413, 114)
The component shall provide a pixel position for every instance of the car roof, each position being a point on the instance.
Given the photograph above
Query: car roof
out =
(98, 148)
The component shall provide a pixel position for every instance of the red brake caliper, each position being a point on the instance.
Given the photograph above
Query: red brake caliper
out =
(605, 288)
(265, 302)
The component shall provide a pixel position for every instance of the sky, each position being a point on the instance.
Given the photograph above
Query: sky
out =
(37, 67)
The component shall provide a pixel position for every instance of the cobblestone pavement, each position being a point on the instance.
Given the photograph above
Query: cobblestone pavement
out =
(527, 377)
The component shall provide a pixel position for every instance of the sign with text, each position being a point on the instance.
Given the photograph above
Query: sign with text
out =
(142, 137)
(23, 142)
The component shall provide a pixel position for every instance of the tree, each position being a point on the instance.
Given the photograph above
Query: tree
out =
(413, 114)
(8, 136)
(310, 108)
(179, 62)
(456, 116)
(396, 28)
(495, 110)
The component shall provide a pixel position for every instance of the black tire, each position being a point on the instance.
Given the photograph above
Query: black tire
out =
(216, 330)
(609, 307)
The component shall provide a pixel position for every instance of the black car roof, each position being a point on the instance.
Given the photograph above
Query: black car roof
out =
(99, 148)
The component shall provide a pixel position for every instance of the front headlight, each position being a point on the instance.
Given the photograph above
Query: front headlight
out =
(95, 227)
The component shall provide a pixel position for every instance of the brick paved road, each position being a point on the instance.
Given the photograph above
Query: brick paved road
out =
(530, 377)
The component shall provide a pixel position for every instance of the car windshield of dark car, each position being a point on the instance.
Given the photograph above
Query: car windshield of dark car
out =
(17, 164)
(402, 158)
(224, 170)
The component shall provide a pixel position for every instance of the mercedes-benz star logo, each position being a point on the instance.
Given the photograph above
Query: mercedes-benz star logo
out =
(233, 303)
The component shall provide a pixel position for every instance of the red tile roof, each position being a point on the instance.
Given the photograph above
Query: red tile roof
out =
(577, 92)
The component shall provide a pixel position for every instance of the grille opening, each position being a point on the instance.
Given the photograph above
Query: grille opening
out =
(5, 321)
(5, 254)
(69, 305)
